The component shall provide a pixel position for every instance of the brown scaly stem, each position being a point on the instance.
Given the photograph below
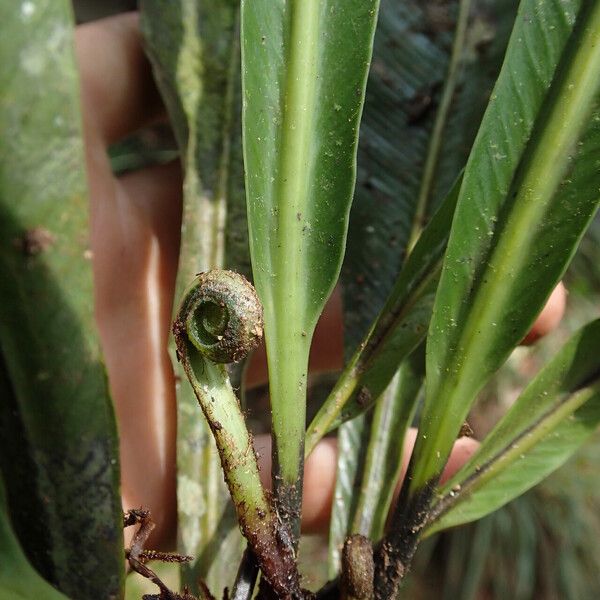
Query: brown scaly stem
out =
(394, 554)
(357, 568)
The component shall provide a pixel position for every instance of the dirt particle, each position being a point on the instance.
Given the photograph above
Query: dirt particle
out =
(466, 430)
(364, 397)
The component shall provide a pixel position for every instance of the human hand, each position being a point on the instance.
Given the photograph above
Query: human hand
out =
(134, 227)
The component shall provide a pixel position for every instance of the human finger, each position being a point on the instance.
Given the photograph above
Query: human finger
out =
(135, 244)
(550, 316)
(117, 89)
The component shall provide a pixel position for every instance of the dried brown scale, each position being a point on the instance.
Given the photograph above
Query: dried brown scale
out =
(136, 555)
(364, 397)
(168, 557)
(466, 430)
(35, 241)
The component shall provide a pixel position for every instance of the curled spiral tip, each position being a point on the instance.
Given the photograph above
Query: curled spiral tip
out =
(221, 315)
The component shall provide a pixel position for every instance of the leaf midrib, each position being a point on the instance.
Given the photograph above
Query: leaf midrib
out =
(295, 156)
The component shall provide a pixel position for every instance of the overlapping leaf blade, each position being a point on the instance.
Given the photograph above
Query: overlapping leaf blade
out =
(410, 61)
(58, 444)
(534, 438)
(512, 235)
(18, 579)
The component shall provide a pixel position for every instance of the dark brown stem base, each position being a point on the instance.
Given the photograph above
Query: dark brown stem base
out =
(394, 555)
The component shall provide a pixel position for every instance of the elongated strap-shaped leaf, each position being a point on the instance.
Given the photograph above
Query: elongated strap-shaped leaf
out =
(18, 579)
(61, 468)
(418, 62)
(534, 438)
(304, 70)
(512, 235)
(194, 48)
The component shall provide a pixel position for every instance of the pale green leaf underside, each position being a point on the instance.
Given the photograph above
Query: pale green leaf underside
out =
(304, 70)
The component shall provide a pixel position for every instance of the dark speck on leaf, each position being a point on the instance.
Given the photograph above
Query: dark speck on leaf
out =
(363, 397)
(35, 241)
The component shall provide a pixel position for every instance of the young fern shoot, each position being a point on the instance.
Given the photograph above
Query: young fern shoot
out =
(220, 321)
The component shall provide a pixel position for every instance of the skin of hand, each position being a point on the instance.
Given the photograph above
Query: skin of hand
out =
(134, 230)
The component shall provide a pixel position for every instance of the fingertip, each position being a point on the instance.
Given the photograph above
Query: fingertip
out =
(550, 317)
(319, 486)
(462, 451)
